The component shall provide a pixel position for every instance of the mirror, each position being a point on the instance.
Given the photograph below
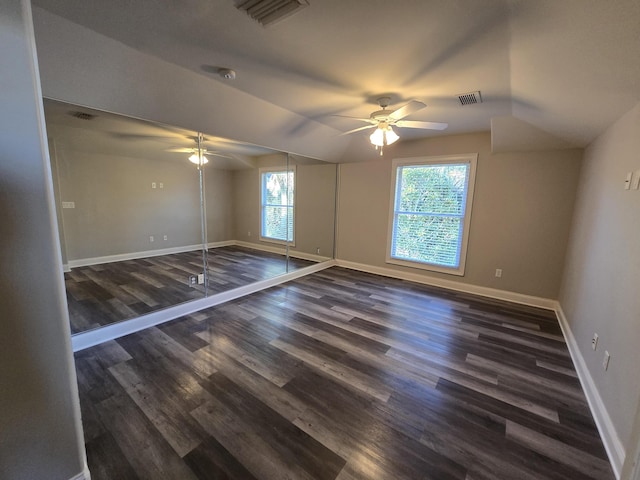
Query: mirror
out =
(142, 228)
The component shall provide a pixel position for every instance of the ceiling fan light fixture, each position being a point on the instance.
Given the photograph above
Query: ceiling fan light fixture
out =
(383, 135)
(391, 136)
(198, 160)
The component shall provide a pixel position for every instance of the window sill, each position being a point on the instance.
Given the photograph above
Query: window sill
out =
(275, 241)
(427, 266)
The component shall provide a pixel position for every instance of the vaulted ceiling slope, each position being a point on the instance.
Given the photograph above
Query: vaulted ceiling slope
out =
(567, 67)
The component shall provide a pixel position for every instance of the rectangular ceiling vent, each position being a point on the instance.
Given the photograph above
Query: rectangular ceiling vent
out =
(82, 115)
(268, 12)
(470, 98)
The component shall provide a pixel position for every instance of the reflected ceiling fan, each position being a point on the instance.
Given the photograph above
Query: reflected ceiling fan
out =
(382, 120)
(194, 158)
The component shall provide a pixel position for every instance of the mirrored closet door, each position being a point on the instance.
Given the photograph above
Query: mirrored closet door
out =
(151, 216)
(128, 214)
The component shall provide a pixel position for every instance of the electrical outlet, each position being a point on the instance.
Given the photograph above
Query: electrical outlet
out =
(151, 239)
(605, 360)
(499, 272)
(161, 185)
(318, 251)
(153, 184)
(201, 279)
(193, 279)
(165, 237)
(594, 341)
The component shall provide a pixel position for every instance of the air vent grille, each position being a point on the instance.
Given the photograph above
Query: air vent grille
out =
(268, 12)
(82, 115)
(470, 98)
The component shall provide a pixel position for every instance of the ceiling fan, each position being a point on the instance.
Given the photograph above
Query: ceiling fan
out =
(194, 158)
(382, 120)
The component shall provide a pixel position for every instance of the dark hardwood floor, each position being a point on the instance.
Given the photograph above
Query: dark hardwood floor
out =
(341, 375)
(102, 294)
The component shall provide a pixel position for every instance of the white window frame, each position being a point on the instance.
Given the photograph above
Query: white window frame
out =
(468, 158)
(282, 169)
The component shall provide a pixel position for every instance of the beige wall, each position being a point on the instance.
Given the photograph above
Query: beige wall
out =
(314, 205)
(116, 208)
(219, 195)
(601, 284)
(40, 429)
(246, 212)
(315, 208)
(520, 221)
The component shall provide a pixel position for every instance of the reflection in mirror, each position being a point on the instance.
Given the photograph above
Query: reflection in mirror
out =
(277, 225)
(314, 213)
(137, 202)
(129, 214)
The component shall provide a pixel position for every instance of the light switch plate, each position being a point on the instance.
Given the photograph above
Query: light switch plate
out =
(635, 180)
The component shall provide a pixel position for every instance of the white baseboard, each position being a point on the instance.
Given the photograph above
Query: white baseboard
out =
(84, 475)
(452, 285)
(225, 243)
(90, 338)
(83, 262)
(282, 251)
(612, 443)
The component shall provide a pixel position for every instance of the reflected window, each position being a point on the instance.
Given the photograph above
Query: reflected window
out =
(277, 188)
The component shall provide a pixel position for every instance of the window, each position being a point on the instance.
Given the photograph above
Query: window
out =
(430, 212)
(276, 204)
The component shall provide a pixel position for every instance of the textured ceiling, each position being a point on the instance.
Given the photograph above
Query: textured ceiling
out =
(567, 67)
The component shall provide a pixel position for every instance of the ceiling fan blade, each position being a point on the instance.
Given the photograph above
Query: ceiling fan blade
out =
(139, 136)
(425, 125)
(368, 120)
(216, 154)
(411, 107)
(182, 150)
(357, 130)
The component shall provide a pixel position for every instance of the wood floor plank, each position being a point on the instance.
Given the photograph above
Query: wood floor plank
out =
(336, 375)
(163, 410)
(107, 293)
(263, 440)
(337, 370)
(211, 461)
(586, 464)
(107, 460)
(145, 449)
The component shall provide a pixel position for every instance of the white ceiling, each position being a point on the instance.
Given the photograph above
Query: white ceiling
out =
(110, 134)
(567, 67)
